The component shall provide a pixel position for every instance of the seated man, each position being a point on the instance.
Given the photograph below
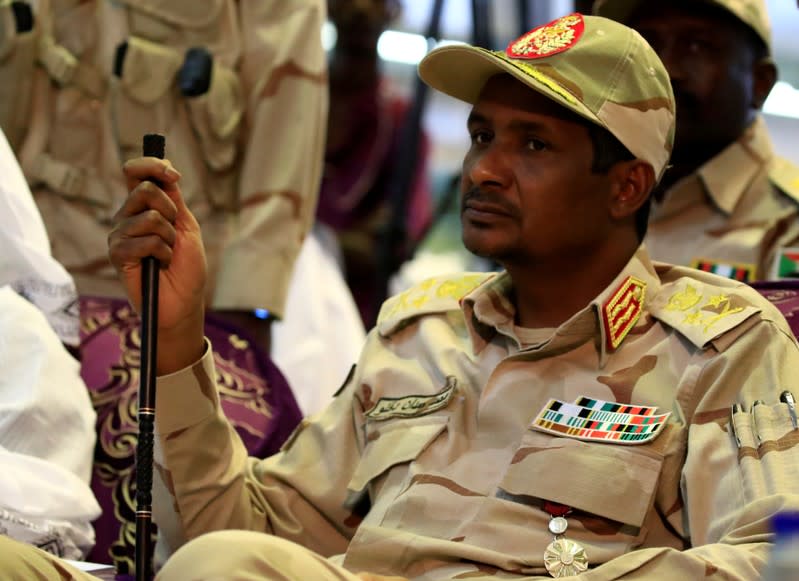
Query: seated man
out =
(568, 416)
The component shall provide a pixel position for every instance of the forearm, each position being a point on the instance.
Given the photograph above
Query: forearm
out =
(199, 459)
(205, 481)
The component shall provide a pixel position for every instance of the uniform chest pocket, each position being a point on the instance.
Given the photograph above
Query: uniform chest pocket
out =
(613, 482)
(392, 443)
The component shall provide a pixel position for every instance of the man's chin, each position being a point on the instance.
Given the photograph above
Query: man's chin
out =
(483, 248)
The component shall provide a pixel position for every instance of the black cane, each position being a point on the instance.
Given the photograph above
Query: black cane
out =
(152, 146)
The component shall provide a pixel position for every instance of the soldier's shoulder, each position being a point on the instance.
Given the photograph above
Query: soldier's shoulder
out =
(708, 309)
(432, 296)
(784, 175)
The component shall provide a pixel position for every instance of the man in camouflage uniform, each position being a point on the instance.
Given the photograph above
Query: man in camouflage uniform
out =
(243, 113)
(568, 416)
(728, 204)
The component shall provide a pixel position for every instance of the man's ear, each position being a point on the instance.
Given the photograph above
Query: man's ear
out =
(764, 73)
(632, 182)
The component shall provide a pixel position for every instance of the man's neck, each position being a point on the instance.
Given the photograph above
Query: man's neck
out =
(687, 160)
(547, 295)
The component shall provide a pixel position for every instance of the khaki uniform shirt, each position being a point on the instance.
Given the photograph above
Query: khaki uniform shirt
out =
(250, 148)
(425, 465)
(732, 215)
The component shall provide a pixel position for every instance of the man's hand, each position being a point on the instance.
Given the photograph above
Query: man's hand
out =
(154, 221)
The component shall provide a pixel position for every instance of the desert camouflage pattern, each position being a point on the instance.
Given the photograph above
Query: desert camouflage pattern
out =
(250, 148)
(734, 212)
(753, 13)
(18, 49)
(425, 465)
(608, 74)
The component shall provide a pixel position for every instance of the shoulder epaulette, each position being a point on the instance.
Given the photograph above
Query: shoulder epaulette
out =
(434, 295)
(785, 175)
(702, 307)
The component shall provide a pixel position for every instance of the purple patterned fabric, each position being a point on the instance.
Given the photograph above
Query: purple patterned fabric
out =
(784, 294)
(253, 393)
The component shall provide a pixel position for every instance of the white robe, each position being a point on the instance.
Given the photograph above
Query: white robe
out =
(46, 435)
(47, 421)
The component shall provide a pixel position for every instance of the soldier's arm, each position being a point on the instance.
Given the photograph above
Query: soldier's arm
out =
(205, 481)
(284, 80)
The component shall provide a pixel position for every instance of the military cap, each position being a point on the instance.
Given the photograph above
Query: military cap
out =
(752, 13)
(595, 67)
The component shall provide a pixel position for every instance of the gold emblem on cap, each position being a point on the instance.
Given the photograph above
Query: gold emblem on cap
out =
(549, 39)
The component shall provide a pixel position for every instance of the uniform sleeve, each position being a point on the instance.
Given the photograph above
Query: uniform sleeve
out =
(284, 81)
(731, 490)
(204, 480)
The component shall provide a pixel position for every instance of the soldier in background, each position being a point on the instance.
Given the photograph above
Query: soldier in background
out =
(367, 116)
(728, 204)
(237, 87)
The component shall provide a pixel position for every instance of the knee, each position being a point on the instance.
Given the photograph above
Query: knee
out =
(227, 555)
(22, 562)
(205, 557)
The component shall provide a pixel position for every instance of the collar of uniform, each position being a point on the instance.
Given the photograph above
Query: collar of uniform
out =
(639, 267)
(489, 310)
(727, 176)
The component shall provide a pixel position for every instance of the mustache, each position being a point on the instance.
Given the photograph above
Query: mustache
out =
(685, 99)
(475, 194)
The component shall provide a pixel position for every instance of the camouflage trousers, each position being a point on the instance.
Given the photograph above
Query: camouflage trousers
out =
(21, 562)
(218, 556)
(248, 556)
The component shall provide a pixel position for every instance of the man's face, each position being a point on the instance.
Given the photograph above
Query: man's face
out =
(711, 71)
(528, 193)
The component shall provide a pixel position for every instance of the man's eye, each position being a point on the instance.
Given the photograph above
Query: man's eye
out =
(696, 46)
(481, 137)
(536, 145)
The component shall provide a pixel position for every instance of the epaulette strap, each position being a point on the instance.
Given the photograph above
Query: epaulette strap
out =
(785, 175)
(434, 295)
(702, 312)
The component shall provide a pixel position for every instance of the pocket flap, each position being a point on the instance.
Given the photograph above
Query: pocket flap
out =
(183, 13)
(613, 482)
(149, 70)
(395, 443)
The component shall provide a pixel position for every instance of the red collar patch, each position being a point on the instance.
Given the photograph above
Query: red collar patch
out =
(622, 310)
(559, 35)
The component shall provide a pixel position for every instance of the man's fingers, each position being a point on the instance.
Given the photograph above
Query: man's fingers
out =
(148, 223)
(149, 168)
(125, 251)
(144, 197)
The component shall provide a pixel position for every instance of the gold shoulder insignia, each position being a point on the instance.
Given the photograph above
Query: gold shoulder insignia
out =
(622, 310)
(785, 175)
(701, 311)
(434, 295)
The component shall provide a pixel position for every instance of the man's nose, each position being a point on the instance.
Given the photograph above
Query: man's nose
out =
(489, 167)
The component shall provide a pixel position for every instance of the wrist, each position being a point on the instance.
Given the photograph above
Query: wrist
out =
(182, 345)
